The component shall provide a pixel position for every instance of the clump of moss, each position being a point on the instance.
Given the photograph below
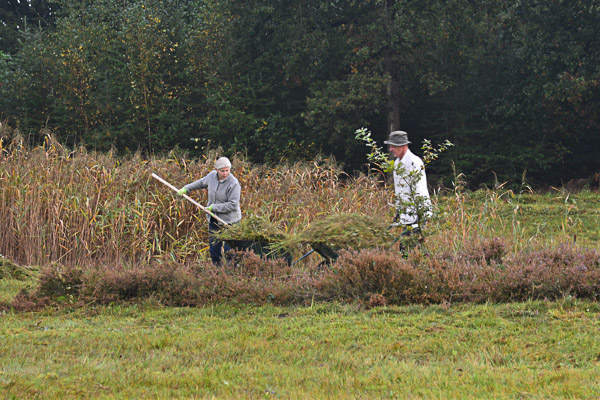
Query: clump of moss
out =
(341, 231)
(253, 228)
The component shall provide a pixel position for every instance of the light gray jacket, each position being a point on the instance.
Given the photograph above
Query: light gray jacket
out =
(223, 196)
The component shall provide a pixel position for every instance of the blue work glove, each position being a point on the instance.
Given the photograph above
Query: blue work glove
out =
(182, 191)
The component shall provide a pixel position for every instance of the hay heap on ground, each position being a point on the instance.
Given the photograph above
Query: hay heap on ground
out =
(343, 231)
(10, 270)
(253, 228)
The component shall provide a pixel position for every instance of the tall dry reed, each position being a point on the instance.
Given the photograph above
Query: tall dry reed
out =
(78, 206)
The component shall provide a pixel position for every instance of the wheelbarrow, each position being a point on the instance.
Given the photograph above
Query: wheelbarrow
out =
(328, 253)
(408, 238)
(260, 248)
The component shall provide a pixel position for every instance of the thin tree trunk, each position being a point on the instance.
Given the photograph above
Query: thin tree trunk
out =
(393, 117)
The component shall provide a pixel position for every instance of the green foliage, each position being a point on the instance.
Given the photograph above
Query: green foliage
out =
(17, 17)
(515, 85)
(342, 231)
(5, 67)
(123, 79)
(253, 228)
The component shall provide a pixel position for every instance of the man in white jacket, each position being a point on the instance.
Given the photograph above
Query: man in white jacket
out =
(413, 204)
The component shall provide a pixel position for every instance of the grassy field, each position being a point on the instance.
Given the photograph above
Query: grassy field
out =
(533, 350)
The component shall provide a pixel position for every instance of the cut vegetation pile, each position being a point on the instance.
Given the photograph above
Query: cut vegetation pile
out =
(10, 270)
(253, 228)
(344, 231)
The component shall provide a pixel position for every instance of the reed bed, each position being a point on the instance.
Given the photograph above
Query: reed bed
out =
(77, 207)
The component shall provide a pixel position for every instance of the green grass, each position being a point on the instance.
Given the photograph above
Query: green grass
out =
(553, 214)
(531, 350)
(524, 218)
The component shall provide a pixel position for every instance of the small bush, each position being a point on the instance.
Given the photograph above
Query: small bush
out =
(551, 273)
(369, 276)
(486, 250)
(57, 284)
(57, 280)
(170, 283)
(254, 279)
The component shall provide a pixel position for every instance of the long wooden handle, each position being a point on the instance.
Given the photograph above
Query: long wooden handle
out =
(194, 202)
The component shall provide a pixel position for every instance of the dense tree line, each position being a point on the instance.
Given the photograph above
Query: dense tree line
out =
(513, 84)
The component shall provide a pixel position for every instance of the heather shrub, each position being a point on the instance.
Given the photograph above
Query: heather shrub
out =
(247, 264)
(57, 284)
(485, 250)
(452, 278)
(248, 278)
(57, 280)
(25, 301)
(372, 276)
(169, 283)
(465, 274)
(256, 279)
(482, 271)
(550, 273)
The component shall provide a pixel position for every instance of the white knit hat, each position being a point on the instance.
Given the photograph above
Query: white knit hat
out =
(222, 162)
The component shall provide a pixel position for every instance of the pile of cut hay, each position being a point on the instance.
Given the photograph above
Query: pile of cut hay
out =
(10, 270)
(342, 231)
(253, 228)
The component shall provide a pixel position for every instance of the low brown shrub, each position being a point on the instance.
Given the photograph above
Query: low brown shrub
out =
(57, 280)
(550, 273)
(58, 284)
(248, 278)
(254, 279)
(26, 302)
(170, 283)
(372, 275)
(485, 250)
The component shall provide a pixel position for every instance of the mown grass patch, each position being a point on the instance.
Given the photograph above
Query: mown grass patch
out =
(521, 350)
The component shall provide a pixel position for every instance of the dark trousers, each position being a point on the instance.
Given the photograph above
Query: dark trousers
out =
(214, 245)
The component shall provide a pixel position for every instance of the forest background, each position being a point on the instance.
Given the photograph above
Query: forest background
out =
(513, 84)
